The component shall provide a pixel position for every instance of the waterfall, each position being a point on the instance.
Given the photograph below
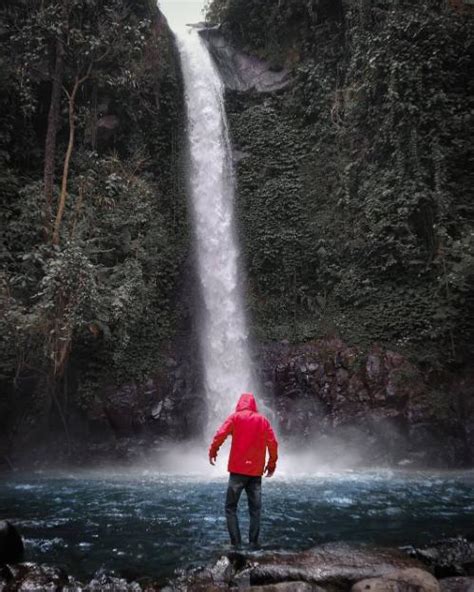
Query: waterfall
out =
(223, 334)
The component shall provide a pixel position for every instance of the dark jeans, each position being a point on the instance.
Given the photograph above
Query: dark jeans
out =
(253, 489)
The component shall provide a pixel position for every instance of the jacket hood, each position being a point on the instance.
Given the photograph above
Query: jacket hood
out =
(246, 401)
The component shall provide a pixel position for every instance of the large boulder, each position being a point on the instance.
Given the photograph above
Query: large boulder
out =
(447, 557)
(333, 567)
(240, 71)
(457, 584)
(402, 580)
(11, 544)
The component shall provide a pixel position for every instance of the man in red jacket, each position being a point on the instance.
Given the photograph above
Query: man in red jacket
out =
(251, 434)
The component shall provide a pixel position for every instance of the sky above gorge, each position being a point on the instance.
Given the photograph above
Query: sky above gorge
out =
(180, 12)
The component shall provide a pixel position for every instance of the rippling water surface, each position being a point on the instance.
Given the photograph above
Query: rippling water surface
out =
(151, 523)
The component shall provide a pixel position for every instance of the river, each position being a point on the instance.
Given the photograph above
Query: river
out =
(149, 523)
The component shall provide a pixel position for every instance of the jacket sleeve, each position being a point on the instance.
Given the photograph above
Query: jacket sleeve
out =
(272, 445)
(221, 434)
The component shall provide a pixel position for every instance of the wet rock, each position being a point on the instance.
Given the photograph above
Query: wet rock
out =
(107, 582)
(240, 71)
(332, 567)
(329, 390)
(106, 129)
(165, 405)
(33, 577)
(156, 410)
(374, 367)
(5, 578)
(286, 587)
(11, 544)
(458, 584)
(403, 580)
(447, 557)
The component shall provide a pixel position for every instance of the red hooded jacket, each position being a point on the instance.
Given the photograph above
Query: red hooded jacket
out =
(252, 434)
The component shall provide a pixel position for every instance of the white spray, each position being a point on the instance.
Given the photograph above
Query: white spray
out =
(224, 343)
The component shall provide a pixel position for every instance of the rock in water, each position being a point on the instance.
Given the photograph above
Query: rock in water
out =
(11, 544)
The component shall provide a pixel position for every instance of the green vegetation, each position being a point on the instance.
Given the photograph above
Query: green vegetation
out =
(92, 204)
(354, 189)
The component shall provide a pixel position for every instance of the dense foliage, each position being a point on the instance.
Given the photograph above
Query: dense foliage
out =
(90, 290)
(354, 186)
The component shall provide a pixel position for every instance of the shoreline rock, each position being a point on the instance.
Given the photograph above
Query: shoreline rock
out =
(11, 543)
(333, 567)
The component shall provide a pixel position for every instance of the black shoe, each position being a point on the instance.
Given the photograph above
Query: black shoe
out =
(255, 546)
(236, 546)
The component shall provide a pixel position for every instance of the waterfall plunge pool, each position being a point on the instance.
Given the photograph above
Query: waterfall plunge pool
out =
(148, 524)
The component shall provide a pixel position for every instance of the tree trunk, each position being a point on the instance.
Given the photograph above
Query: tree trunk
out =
(51, 134)
(93, 120)
(67, 160)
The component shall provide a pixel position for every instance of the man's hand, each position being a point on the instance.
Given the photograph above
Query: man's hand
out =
(269, 471)
(212, 459)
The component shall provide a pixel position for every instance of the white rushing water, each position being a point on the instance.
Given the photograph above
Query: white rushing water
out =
(224, 340)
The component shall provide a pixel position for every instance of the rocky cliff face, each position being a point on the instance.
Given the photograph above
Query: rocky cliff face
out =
(241, 71)
(370, 408)
(336, 404)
